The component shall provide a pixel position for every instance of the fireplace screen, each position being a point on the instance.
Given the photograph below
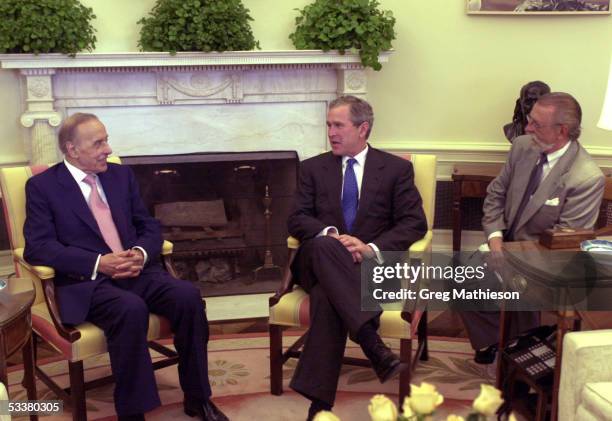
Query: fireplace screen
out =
(226, 214)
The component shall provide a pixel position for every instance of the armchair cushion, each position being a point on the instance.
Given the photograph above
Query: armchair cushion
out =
(586, 357)
(293, 311)
(92, 341)
(596, 402)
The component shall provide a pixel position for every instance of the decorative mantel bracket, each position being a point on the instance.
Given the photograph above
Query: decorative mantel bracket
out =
(57, 84)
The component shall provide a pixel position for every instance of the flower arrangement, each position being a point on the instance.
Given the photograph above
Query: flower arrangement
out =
(422, 403)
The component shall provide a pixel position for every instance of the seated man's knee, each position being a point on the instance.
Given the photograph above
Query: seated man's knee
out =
(326, 245)
(133, 310)
(188, 294)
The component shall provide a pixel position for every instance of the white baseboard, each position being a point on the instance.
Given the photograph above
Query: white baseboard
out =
(443, 240)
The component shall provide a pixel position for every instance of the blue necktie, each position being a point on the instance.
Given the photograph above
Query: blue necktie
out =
(350, 195)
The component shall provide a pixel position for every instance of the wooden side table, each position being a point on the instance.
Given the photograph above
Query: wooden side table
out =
(518, 256)
(469, 180)
(16, 299)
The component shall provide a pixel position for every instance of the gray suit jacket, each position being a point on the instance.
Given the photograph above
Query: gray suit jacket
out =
(570, 196)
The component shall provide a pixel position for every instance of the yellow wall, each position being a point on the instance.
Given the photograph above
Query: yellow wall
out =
(452, 79)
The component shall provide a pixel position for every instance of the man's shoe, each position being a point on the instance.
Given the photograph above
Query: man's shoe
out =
(133, 417)
(486, 356)
(206, 410)
(384, 362)
(317, 406)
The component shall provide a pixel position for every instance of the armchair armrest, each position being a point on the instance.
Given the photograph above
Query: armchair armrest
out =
(287, 283)
(167, 248)
(47, 275)
(166, 257)
(42, 272)
(417, 249)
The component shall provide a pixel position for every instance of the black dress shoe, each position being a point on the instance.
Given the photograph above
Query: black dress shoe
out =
(317, 406)
(206, 410)
(384, 362)
(133, 417)
(486, 356)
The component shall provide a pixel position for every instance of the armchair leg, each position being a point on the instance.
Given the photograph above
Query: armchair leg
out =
(422, 336)
(276, 359)
(77, 391)
(405, 376)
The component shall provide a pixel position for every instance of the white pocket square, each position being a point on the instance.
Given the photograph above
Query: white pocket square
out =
(552, 202)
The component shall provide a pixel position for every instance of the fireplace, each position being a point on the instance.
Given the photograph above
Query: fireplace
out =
(225, 213)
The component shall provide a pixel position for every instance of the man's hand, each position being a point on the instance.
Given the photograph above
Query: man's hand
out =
(122, 265)
(496, 258)
(356, 247)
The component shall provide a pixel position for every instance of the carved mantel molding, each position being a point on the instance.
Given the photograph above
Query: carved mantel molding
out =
(57, 84)
(229, 59)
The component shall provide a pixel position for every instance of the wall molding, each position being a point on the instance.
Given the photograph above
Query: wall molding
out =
(464, 151)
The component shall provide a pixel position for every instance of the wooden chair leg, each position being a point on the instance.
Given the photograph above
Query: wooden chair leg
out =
(77, 391)
(405, 376)
(276, 359)
(422, 337)
(28, 381)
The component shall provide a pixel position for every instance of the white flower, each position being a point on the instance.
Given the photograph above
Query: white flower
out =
(325, 416)
(407, 409)
(382, 409)
(488, 401)
(425, 399)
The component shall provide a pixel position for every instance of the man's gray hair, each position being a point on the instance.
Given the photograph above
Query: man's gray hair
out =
(69, 127)
(567, 111)
(361, 110)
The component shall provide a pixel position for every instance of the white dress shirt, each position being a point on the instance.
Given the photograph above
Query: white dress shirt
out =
(358, 168)
(79, 176)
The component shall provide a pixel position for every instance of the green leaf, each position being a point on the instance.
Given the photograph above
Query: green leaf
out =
(184, 25)
(46, 26)
(345, 25)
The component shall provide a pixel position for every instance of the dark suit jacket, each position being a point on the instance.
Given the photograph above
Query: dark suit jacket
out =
(390, 212)
(60, 231)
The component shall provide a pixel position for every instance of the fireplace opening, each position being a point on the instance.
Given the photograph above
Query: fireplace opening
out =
(225, 213)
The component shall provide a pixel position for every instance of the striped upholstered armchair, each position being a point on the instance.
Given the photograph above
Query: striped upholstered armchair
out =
(74, 343)
(289, 307)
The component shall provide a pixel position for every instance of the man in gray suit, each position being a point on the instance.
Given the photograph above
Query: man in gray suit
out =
(548, 181)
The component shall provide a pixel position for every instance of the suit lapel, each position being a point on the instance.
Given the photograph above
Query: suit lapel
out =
(333, 182)
(74, 197)
(521, 174)
(549, 184)
(372, 177)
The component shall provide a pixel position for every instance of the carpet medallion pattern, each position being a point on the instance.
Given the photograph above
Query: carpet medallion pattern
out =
(239, 375)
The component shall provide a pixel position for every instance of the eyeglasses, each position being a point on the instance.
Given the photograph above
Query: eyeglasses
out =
(537, 125)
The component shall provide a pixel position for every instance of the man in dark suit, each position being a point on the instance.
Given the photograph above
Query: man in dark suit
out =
(85, 218)
(352, 203)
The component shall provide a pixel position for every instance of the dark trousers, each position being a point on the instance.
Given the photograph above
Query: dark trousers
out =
(325, 269)
(483, 327)
(121, 309)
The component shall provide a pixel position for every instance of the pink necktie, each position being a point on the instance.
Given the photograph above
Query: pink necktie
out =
(103, 216)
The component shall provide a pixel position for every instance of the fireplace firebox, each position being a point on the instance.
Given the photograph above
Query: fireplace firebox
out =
(226, 214)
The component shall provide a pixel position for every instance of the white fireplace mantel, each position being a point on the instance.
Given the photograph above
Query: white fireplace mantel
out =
(158, 103)
(237, 59)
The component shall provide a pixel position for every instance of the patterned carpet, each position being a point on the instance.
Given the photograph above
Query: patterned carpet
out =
(239, 375)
